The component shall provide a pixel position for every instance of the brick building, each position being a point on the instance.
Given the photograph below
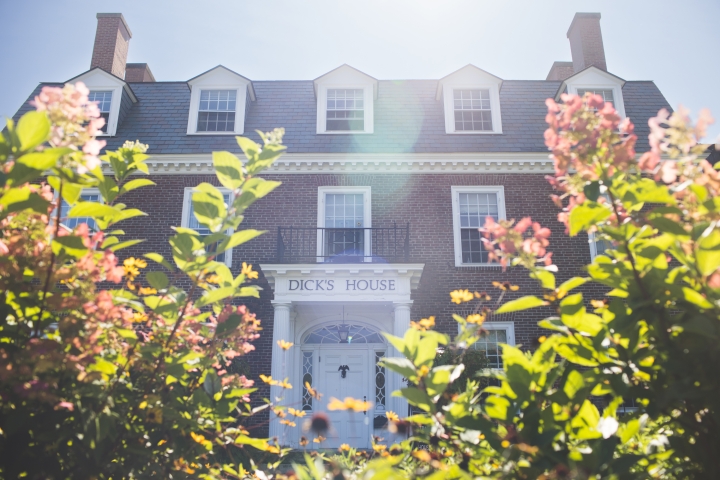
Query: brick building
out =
(384, 184)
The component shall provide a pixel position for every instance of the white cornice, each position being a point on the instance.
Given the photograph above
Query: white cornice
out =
(273, 271)
(370, 163)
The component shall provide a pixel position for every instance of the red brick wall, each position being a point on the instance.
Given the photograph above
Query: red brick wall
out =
(424, 200)
(111, 45)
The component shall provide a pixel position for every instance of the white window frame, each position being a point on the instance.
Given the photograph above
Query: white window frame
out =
(619, 103)
(367, 108)
(114, 114)
(185, 220)
(240, 106)
(449, 97)
(499, 190)
(509, 328)
(87, 191)
(367, 215)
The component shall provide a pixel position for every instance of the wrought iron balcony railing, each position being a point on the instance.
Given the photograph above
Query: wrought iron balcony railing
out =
(343, 245)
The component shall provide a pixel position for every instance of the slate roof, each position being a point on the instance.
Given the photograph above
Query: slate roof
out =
(408, 119)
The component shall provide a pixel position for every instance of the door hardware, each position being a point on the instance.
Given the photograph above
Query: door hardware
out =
(343, 370)
(365, 400)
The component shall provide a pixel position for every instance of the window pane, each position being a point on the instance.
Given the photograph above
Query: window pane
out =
(472, 110)
(216, 111)
(489, 343)
(73, 222)
(345, 110)
(307, 364)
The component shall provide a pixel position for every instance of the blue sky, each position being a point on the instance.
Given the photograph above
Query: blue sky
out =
(676, 44)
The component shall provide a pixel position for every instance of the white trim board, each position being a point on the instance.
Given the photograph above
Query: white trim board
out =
(332, 163)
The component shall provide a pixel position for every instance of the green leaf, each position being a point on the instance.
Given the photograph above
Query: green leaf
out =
(33, 129)
(417, 397)
(574, 383)
(229, 325)
(708, 255)
(238, 238)
(125, 244)
(696, 298)
(249, 148)
(134, 184)
(208, 206)
(592, 190)
(93, 210)
(585, 215)
(497, 407)
(572, 284)
(403, 366)
(108, 189)
(157, 280)
(523, 303)
(156, 257)
(629, 430)
(213, 296)
(228, 169)
(545, 277)
(71, 244)
(17, 199)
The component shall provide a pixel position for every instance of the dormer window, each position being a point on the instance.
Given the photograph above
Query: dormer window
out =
(104, 100)
(110, 93)
(597, 81)
(471, 99)
(218, 101)
(216, 112)
(345, 110)
(345, 101)
(472, 110)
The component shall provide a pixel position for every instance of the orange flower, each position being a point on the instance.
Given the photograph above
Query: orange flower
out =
(392, 416)
(285, 345)
(424, 324)
(344, 447)
(422, 455)
(296, 413)
(461, 296)
(248, 271)
(313, 393)
(348, 404)
(289, 423)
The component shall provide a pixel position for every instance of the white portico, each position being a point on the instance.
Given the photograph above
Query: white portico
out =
(316, 305)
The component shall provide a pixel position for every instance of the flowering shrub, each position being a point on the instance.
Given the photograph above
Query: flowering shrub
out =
(651, 341)
(108, 370)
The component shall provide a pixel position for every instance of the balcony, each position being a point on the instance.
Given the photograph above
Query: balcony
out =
(343, 245)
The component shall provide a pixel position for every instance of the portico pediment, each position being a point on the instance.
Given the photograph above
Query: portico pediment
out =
(343, 282)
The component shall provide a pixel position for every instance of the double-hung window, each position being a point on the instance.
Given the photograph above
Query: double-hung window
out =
(216, 111)
(343, 221)
(494, 335)
(189, 221)
(104, 100)
(605, 93)
(471, 208)
(598, 246)
(473, 111)
(345, 110)
(87, 195)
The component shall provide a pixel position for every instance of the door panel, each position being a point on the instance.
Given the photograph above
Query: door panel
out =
(346, 427)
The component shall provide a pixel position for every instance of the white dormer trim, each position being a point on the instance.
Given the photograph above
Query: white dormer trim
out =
(100, 80)
(470, 77)
(220, 78)
(345, 77)
(593, 78)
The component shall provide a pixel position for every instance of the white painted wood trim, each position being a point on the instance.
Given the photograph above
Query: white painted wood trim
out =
(448, 92)
(367, 214)
(185, 219)
(367, 109)
(373, 163)
(499, 190)
(240, 106)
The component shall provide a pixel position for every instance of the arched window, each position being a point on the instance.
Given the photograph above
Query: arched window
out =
(358, 334)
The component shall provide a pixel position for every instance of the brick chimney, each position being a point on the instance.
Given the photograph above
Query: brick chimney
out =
(111, 44)
(560, 71)
(586, 43)
(138, 72)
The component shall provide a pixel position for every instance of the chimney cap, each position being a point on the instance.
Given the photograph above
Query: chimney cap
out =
(582, 15)
(115, 15)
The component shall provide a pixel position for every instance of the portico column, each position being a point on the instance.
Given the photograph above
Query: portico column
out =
(279, 367)
(401, 324)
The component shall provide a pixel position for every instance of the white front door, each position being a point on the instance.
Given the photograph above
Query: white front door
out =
(353, 428)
